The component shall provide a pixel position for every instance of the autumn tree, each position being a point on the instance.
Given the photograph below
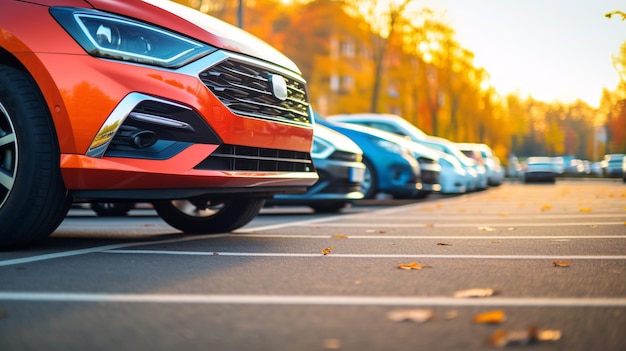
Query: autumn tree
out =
(382, 18)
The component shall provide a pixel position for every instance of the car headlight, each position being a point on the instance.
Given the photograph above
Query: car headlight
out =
(109, 36)
(321, 148)
(392, 147)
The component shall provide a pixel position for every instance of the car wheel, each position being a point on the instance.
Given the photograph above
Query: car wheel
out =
(370, 179)
(33, 198)
(332, 207)
(112, 209)
(208, 217)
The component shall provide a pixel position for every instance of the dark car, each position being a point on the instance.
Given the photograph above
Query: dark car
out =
(338, 161)
(390, 168)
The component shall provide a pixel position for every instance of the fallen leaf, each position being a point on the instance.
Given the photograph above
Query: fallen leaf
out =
(503, 214)
(412, 265)
(510, 228)
(370, 231)
(382, 231)
(491, 317)
(585, 210)
(486, 229)
(545, 208)
(548, 335)
(475, 293)
(327, 250)
(429, 225)
(444, 244)
(413, 315)
(560, 263)
(339, 237)
(332, 344)
(498, 338)
(533, 335)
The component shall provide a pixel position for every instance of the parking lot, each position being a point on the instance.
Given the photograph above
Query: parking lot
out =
(538, 266)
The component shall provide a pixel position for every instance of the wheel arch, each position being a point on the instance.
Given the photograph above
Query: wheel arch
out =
(48, 90)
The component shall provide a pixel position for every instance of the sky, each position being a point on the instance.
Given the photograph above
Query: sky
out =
(552, 50)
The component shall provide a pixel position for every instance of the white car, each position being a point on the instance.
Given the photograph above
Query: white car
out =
(454, 179)
(495, 171)
(476, 178)
(383, 121)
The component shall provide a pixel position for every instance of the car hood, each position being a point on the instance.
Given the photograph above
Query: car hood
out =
(338, 140)
(189, 22)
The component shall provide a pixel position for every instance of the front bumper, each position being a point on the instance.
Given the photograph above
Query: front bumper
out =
(196, 136)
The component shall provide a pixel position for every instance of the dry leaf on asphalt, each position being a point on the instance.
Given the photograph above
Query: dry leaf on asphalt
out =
(443, 244)
(585, 210)
(475, 293)
(502, 338)
(413, 315)
(327, 250)
(545, 208)
(491, 317)
(486, 229)
(336, 236)
(560, 263)
(412, 265)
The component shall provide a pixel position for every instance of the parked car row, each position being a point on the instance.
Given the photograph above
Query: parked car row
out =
(548, 169)
(459, 173)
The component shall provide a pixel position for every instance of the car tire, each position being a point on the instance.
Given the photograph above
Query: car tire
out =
(208, 217)
(112, 209)
(369, 185)
(33, 198)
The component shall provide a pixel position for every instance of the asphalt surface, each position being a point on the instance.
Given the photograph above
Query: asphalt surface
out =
(552, 257)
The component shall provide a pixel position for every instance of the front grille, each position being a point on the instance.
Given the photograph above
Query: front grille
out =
(429, 177)
(245, 158)
(247, 91)
(345, 156)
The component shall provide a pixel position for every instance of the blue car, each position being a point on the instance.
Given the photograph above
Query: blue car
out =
(389, 167)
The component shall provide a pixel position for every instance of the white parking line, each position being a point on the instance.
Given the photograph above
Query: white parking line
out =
(312, 300)
(450, 225)
(385, 236)
(471, 216)
(98, 249)
(333, 255)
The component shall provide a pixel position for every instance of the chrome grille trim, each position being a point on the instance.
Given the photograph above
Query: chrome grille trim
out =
(245, 88)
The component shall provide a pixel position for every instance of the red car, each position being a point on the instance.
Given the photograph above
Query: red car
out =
(148, 100)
